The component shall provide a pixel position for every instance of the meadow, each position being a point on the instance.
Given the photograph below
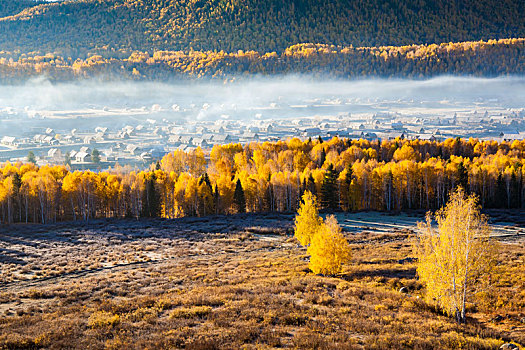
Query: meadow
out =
(238, 282)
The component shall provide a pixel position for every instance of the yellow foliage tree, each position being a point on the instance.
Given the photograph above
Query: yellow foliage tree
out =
(329, 249)
(454, 259)
(307, 220)
(406, 152)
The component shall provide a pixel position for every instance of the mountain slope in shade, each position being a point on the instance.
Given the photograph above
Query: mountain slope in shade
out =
(75, 27)
(13, 7)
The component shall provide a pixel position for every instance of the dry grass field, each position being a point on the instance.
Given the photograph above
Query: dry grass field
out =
(235, 282)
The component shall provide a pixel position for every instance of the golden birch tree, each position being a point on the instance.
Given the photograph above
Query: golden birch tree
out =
(454, 260)
(327, 246)
(329, 249)
(307, 220)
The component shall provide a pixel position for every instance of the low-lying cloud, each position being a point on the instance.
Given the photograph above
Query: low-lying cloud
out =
(251, 98)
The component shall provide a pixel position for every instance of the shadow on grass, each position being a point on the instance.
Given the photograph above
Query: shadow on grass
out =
(409, 273)
(11, 256)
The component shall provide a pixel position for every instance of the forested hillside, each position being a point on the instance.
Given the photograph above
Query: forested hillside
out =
(72, 28)
(490, 58)
(13, 7)
(271, 177)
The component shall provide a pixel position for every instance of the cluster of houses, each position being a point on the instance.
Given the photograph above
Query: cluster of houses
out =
(81, 156)
(150, 139)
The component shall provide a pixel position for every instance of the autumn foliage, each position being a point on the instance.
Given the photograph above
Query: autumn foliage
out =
(329, 249)
(345, 174)
(327, 246)
(455, 260)
(307, 221)
(479, 58)
(232, 25)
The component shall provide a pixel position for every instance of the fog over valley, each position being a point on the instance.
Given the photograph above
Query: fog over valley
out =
(40, 115)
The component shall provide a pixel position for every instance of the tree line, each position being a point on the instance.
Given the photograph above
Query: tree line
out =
(344, 174)
(480, 58)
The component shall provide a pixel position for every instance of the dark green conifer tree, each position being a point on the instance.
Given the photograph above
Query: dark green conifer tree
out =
(322, 159)
(345, 188)
(514, 191)
(150, 199)
(216, 198)
(311, 185)
(67, 159)
(239, 200)
(31, 157)
(206, 179)
(95, 156)
(329, 193)
(500, 200)
(463, 177)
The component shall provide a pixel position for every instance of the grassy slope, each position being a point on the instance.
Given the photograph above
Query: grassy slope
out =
(228, 283)
(263, 25)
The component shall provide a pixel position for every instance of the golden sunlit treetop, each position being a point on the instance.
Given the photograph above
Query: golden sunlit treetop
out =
(329, 249)
(307, 221)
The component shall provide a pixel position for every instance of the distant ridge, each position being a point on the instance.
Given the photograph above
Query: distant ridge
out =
(73, 28)
(472, 58)
(13, 7)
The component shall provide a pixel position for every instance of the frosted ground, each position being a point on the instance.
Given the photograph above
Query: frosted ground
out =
(32, 254)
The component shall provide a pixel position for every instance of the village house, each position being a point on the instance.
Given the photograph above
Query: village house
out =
(198, 142)
(133, 149)
(85, 149)
(250, 136)
(310, 132)
(221, 139)
(9, 141)
(68, 139)
(174, 139)
(186, 140)
(88, 140)
(146, 156)
(122, 135)
(82, 157)
(54, 155)
(100, 129)
(218, 129)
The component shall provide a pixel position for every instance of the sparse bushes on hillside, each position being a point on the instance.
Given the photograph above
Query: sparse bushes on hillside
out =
(103, 319)
(196, 311)
(258, 291)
